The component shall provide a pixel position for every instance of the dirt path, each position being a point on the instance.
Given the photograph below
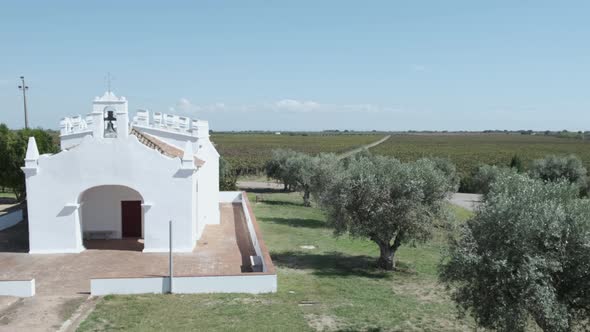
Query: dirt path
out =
(368, 146)
(38, 313)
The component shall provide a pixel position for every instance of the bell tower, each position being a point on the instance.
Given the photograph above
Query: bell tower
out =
(110, 117)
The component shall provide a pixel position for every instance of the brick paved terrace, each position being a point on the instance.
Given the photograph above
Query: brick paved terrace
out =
(223, 249)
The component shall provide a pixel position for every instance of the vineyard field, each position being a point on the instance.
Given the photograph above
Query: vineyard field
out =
(468, 151)
(247, 153)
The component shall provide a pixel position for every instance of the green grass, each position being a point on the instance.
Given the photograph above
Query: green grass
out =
(7, 195)
(332, 287)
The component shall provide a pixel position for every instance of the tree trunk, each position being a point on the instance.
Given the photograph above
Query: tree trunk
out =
(386, 258)
(286, 187)
(19, 195)
(306, 201)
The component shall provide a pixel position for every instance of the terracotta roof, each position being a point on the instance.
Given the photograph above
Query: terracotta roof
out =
(162, 147)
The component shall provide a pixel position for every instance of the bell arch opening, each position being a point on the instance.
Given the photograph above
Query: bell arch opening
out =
(110, 122)
(111, 217)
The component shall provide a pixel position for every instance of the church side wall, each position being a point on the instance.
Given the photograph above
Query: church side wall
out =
(208, 196)
(54, 193)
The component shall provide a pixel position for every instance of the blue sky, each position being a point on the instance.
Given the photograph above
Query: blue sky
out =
(305, 65)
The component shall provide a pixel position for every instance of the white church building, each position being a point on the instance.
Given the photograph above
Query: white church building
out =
(120, 177)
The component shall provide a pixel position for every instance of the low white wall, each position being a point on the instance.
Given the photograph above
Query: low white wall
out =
(230, 196)
(20, 288)
(252, 233)
(253, 284)
(107, 286)
(10, 219)
(236, 197)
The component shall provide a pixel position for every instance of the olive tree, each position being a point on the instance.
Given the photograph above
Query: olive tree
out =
(276, 167)
(309, 174)
(386, 201)
(449, 170)
(524, 255)
(554, 168)
(299, 169)
(485, 175)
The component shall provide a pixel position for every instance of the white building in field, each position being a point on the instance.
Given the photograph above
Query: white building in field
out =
(118, 177)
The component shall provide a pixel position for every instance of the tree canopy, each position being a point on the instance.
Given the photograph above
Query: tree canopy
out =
(385, 200)
(486, 174)
(276, 167)
(525, 254)
(227, 176)
(555, 168)
(13, 147)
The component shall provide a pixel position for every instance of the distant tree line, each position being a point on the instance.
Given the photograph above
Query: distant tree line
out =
(523, 257)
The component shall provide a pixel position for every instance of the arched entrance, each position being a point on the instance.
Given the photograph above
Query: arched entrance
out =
(111, 217)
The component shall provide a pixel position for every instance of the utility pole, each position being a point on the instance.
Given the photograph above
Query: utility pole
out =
(24, 88)
(170, 259)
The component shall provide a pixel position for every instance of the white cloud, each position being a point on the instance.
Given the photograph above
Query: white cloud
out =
(297, 106)
(185, 106)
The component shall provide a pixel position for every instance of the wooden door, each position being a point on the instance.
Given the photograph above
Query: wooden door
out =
(131, 218)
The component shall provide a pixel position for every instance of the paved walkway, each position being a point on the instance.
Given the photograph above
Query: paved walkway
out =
(223, 249)
(63, 280)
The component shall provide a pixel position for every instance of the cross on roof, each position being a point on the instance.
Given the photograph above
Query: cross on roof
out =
(109, 78)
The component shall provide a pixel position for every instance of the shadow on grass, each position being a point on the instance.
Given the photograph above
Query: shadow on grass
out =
(263, 190)
(331, 264)
(295, 222)
(282, 203)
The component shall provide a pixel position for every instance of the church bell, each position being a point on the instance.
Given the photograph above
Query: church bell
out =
(110, 131)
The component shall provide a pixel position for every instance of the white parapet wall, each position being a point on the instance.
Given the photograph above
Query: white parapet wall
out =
(10, 219)
(253, 284)
(19, 288)
(230, 197)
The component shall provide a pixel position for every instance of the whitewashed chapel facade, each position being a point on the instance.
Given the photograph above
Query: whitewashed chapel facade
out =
(118, 177)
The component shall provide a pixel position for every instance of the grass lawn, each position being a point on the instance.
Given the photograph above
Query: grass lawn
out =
(332, 287)
(7, 195)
